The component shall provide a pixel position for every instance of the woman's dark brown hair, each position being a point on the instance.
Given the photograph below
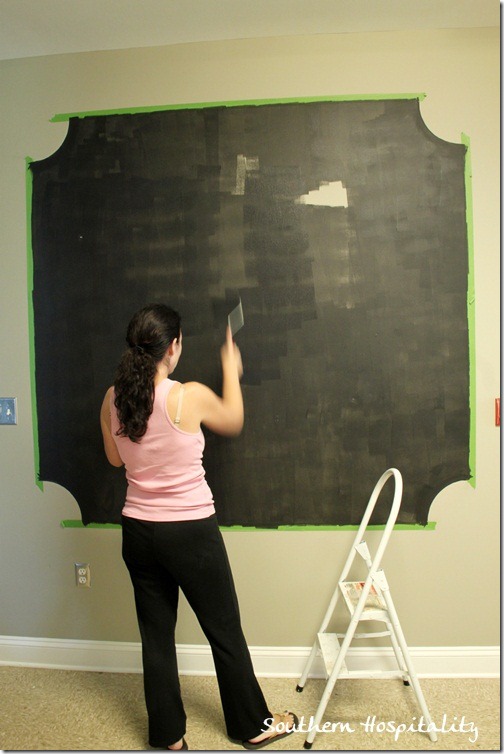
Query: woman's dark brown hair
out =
(149, 335)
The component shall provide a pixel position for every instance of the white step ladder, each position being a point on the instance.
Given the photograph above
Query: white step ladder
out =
(366, 600)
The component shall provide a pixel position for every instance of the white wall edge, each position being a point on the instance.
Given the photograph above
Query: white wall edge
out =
(273, 662)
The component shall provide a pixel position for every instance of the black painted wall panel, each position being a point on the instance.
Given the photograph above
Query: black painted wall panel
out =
(356, 339)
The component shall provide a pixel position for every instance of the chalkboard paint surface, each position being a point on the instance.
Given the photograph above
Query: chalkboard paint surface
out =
(341, 226)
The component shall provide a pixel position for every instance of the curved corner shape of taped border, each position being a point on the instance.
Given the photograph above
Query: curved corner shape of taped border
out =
(430, 133)
(71, 130)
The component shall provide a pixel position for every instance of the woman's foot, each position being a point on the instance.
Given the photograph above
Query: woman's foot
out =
(179, 746)
(283, 725)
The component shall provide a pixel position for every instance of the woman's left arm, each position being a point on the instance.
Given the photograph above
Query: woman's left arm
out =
(111, 451)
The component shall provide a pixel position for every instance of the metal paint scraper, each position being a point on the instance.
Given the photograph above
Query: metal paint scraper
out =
(235, 319)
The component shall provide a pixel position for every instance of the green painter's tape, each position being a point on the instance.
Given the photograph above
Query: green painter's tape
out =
(471, 310)
(31, 327)
(75, 524)
(61, 117)
(430, 526)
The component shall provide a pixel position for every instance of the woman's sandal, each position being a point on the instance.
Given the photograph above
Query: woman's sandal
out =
(271, 739)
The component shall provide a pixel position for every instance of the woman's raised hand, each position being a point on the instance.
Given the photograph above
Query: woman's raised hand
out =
(230, 354)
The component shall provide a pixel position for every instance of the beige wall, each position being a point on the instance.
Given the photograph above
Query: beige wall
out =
(445, 581)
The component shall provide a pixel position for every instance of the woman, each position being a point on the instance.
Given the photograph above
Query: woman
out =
(171, 538)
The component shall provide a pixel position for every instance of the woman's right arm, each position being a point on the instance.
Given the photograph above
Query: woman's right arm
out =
(224, 416)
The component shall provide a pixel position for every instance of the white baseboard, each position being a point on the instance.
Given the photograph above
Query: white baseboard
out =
(274, 662)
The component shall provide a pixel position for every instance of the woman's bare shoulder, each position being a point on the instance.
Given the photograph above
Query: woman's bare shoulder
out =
(108, 397)
(195, 387)
(198, 394)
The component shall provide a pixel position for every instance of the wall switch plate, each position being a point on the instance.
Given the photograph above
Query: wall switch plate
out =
(8, 410)
(82, 574)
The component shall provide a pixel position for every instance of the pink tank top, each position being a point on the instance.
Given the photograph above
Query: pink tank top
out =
(166, 478)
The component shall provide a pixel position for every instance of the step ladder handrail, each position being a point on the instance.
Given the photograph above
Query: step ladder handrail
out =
(394, 512)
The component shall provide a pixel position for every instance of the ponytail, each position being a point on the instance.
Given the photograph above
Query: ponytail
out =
(149, 335)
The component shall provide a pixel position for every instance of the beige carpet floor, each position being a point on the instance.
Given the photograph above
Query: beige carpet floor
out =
(54, 710)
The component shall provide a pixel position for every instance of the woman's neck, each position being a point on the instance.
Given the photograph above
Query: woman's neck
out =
(161, 374)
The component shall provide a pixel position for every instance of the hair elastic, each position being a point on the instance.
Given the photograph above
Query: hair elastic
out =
(136, 347)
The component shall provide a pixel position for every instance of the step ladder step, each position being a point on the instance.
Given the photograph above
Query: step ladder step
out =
(374, 607)
(329, 649)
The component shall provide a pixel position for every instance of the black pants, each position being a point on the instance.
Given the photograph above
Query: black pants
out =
(161, 557)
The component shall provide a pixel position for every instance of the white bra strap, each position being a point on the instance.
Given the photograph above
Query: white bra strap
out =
(179, 404)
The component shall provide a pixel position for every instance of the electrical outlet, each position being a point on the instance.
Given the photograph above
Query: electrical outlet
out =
(8, 410)
(82, 574)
